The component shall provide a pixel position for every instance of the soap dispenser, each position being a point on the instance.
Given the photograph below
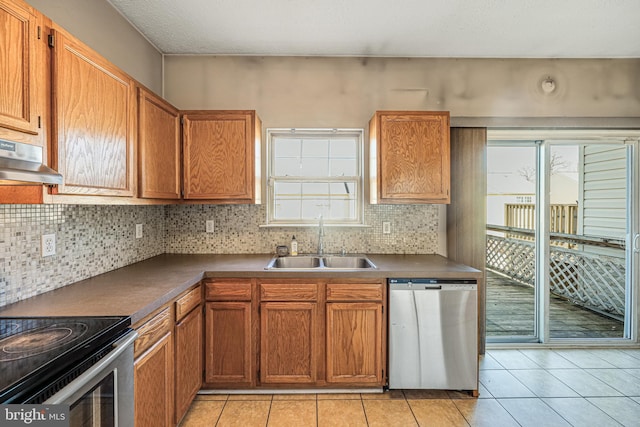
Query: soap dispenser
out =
(294, 246)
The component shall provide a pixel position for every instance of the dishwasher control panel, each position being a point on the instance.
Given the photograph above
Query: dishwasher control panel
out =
(437, 284)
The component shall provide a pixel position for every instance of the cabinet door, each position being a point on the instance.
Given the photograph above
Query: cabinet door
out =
(354, 343)
(23, 83)
(93, 118)
(159, 147)
(413, 157)
(153, 379)
(188, 360)
(229, 356)
(219, 155)
(288, 346)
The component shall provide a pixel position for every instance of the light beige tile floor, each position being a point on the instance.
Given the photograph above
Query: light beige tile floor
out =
(537, 388)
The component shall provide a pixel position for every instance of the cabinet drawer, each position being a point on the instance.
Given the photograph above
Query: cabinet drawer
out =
(229, 290)
(187, 302)
(354, 292)
(288, 291)
(152, 331)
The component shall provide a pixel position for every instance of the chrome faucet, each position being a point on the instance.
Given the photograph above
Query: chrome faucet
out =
(320, 236)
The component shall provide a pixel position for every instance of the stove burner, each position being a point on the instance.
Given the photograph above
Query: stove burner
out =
(40, 340)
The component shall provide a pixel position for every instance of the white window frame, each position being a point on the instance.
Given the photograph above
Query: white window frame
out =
(324, 134)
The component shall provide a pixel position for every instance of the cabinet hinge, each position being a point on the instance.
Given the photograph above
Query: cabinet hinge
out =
(51, 40)
(39, 32)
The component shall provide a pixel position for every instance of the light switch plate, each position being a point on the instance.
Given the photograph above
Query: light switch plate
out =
(209, 226)
(386, 227)
(138, 231)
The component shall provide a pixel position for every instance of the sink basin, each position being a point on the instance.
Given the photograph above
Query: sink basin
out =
(348, 262)
(295, 262)
(327, 263)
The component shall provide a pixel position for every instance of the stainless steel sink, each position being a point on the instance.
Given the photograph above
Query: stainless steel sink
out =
(295, 262)
(315, 263)
(347, 262)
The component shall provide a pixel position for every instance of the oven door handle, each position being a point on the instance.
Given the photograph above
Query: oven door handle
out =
(118, 348)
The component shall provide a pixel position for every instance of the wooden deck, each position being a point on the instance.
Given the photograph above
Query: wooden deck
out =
(510, 312)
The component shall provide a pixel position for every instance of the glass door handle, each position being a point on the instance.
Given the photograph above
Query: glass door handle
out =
(636, 239)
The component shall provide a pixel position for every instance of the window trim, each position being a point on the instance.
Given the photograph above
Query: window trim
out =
(271, 133)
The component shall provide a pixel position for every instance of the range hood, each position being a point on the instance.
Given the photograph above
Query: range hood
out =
(23, 163)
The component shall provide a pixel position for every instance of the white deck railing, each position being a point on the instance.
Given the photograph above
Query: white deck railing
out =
(587, 279)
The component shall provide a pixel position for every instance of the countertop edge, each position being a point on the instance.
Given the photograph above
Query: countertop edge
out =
(154, 282)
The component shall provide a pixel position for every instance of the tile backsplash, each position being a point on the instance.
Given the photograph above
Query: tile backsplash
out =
(91, 240)
(414, 230)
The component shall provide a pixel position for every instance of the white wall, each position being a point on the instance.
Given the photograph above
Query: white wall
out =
(100, 26)
(345, 92)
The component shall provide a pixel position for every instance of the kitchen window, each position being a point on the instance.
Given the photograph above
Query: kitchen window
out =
(313, 172)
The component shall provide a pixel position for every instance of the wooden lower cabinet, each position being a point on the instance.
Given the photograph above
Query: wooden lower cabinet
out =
(288, 346)
(355, 332)
(294, 333)
(354, 343)
(230, 355)
(229, 358)
(153, 373)
(188, 359)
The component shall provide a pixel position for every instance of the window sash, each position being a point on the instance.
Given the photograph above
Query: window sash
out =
(298, 199)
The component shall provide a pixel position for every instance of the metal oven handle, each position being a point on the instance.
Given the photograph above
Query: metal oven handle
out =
(119, 346)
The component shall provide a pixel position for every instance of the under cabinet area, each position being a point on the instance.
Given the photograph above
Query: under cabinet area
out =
(410, 157)
(294, 333)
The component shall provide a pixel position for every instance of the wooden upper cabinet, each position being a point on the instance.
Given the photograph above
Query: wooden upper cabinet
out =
(94, 106)
(159, 147)
(221, 156)
(23, 85)
(410, 157)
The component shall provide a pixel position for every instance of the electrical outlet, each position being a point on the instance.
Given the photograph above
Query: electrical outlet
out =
(209, 226)
(386, 227)
(138, 231)
(48, 245)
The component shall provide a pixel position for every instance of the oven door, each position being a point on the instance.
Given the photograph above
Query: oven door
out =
(103, 395)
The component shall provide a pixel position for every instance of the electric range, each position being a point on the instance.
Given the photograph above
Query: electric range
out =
(39, 356)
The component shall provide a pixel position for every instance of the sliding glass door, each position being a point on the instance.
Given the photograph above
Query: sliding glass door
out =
(561, 220)
(511, 246)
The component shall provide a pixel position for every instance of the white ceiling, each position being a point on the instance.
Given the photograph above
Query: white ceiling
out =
(404, 28)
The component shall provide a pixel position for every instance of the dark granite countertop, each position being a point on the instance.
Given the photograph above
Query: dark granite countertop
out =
(141, 288)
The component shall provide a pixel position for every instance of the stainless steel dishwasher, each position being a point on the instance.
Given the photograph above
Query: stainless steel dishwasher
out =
(433, 334)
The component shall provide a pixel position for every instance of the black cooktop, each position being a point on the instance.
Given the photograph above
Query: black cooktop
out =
(34, 351)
